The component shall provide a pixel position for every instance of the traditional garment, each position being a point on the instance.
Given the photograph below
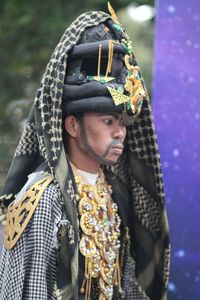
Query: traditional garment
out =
(28, 271)
(137, 186)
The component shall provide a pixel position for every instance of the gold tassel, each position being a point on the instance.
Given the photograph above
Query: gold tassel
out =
(89, 278)
(87, 281)
(117, 275)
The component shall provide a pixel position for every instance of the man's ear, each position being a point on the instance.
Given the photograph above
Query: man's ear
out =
(71, 126)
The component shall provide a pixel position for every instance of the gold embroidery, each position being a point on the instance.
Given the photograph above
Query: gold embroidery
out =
(99, 244)
(20, 213)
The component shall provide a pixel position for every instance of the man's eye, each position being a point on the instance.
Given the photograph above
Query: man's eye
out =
(108, 121)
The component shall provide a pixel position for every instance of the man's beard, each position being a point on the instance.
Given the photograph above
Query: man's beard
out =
(87, 147)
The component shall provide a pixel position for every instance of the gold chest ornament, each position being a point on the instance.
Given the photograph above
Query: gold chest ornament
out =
(100, 230)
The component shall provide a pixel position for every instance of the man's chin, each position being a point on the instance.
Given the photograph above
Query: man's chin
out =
(111, 162)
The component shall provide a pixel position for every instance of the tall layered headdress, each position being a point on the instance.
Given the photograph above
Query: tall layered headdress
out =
(93, 68)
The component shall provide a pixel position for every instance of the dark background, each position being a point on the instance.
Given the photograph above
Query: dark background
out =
(177, 114)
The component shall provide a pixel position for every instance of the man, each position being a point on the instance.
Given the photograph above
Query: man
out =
(89, 223)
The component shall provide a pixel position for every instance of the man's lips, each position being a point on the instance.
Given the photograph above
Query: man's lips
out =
(118, 149)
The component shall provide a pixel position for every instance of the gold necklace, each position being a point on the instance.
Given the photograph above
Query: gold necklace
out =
(99, 243)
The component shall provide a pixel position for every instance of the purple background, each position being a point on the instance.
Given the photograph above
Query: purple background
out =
(176, 106)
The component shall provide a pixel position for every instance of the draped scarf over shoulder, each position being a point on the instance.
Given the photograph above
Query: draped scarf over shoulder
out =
(138, 169)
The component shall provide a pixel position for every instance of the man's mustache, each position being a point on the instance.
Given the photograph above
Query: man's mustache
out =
(114, 144)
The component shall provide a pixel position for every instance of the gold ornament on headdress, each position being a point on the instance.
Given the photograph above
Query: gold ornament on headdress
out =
(116, 25)
(110, 57)
(112, 13)
(105, 78)
(134, 86)
(118, 97)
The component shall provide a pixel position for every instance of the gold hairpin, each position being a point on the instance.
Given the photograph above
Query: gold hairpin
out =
(99, 61)
(110, 57)
(112, 13)
(99, 77)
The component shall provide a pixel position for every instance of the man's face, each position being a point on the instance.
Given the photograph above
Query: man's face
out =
(101, 136)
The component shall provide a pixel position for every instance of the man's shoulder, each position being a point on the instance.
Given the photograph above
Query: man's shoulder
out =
(22, 209)
(36, 180)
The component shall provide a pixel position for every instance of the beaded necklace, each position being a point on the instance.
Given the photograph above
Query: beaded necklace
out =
(100, 230)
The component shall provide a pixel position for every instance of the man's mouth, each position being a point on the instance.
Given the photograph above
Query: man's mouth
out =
(117, 149)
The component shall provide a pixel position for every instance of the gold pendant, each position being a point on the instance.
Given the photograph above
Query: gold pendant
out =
(87, 223)
(99, 243)
(86, 206)
(87, 246)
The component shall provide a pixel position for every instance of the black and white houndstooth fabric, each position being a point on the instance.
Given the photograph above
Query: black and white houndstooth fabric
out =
(131, 289)
(29, 271)
(28, 143)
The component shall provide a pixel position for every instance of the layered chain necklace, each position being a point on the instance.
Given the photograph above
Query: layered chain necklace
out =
(100, 230)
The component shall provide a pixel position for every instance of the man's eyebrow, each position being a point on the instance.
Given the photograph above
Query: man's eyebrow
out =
(113, 114)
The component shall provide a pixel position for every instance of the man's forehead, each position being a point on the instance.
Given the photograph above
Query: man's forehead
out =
(116, 115)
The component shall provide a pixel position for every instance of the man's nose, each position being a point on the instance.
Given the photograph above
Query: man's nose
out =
(120, 132)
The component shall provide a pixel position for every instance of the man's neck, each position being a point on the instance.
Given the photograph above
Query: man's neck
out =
(84, 163)
(89, 178)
